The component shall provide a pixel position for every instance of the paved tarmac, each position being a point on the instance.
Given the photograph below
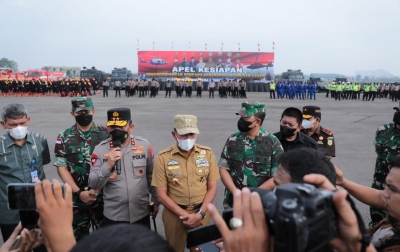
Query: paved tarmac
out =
(354, 124)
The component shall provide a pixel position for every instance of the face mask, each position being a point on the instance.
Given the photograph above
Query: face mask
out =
(243, 125)
(307, 124)
(396, 118)
(84, 119)
(287, 132)
(186, 144)
(119, 135)
(18, 132)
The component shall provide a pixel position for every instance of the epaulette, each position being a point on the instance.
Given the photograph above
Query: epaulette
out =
(203, 147)
(165, 150)
(104, 141)
(328, 132)
(139, 138)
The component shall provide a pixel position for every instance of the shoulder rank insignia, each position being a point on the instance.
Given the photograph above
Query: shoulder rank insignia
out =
(328, 132)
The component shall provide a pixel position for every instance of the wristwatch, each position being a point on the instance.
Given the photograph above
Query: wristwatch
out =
(77, 193)
(203, 214)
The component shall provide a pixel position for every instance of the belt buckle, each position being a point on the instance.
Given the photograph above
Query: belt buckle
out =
(189, 208)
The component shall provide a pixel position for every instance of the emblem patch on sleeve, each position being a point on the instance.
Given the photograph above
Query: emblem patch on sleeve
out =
(151, 152)
(94, 158)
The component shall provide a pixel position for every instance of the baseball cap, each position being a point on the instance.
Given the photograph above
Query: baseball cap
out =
(251, 108)
(310, 111)
(186, 124)
(82, 103)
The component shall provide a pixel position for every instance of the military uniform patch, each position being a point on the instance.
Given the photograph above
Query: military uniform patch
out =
(330, 141)
(173, 162)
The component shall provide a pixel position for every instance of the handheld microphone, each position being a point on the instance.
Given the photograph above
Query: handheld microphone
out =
(117, 143)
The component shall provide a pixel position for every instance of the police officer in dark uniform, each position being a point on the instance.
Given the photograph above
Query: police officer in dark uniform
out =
(311, 126)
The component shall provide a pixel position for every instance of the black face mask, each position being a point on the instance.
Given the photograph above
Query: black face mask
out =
(396, 118)
(119, 135)
(286, 131)
(84, 119)
(243, 125)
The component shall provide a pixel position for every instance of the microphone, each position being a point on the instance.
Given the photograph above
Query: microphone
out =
(117, 143)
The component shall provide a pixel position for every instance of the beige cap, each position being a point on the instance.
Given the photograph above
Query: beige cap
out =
(186, 124)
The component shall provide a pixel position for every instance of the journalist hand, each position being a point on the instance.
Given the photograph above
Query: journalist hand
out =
(29, 240)
(253, 235)
(349, 235)
(51, 205)
(339, 176)
(192, 220)
(114, 155)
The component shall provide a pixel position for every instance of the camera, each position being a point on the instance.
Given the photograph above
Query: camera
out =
(301, 217)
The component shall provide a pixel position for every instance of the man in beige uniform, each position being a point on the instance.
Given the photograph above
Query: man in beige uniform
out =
(105, 88)
(117, 88)
(185, 176)
(168, 87)
(126, 195)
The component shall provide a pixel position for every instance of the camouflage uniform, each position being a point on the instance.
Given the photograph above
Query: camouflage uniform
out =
(387, 145)
(250, 162)
(73, 150)
(385, 236)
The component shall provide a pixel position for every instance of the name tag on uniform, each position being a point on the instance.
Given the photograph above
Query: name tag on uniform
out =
(173, 167)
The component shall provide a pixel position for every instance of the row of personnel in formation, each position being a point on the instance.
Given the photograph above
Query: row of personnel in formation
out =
(183, 87)
(370, 91)
(85, 87)
(63, 87)
(112, 172)
(293, 90)
(183, 177)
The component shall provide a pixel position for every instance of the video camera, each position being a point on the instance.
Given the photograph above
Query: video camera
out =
(301, 217)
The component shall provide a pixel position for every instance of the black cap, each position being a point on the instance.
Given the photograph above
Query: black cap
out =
(310, 111)
(118, 117)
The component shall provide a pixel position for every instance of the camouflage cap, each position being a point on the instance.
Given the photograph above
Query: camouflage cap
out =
(82, 103)
(186, 124)
(251, 108)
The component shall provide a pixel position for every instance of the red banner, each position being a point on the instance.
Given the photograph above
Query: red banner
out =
(206, 65)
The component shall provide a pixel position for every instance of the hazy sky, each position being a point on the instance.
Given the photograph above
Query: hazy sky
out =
(316, 36)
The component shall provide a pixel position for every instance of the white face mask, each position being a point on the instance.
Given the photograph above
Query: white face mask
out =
(307, 124)
(186, 144)
(18, 132)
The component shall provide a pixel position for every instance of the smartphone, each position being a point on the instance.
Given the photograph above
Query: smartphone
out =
(29, 219)
(21, 196)
(202, 235)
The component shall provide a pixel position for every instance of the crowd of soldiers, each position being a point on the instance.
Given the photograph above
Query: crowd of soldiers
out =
(352, 91)
(293, 90)
(69, 87)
